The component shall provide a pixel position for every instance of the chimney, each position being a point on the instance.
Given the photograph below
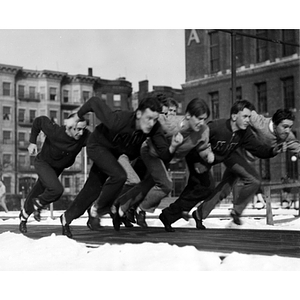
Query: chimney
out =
(144, 86)
(90, 71)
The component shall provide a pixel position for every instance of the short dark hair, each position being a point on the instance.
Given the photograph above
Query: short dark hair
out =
(282, 114)
(197, 107)
(169, 101)
(240, 105)
(150, 102)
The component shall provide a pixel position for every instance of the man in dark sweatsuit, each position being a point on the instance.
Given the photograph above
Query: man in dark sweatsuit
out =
(120, 132)
(226, 135)
(60, 148)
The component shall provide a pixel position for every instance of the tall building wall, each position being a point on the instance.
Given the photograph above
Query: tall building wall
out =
(258, 62)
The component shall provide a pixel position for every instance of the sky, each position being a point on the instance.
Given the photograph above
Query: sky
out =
(153, 54)
(117, 39)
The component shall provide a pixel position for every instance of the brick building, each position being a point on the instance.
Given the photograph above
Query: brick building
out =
(267, 74)
(26, 94)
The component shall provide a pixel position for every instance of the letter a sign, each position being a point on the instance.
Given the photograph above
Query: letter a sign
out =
(193, 37)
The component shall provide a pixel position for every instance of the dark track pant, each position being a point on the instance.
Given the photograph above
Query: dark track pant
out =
(47, 189)
(104, 184)
(200, 187)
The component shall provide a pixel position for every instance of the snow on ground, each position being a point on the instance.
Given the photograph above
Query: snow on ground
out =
(57, 253)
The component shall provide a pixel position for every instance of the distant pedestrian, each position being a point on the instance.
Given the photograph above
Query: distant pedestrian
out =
(3, 196)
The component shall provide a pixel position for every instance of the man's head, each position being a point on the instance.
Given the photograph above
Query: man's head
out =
(76, 130)
(197, 111)
(283, 121)
(240, 114)
(169, 106)
(147, 113)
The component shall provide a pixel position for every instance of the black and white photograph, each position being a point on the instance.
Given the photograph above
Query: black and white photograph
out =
(130, 146)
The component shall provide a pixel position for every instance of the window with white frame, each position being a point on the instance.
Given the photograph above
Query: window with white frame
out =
(6, 88)
(21, 91)
(117, 100)
(21, 115)
(53, 116)
(32, 114)
(65, 96)
(6, 113)
(7, 161)
(53, 93)
(6, 137)
(85, 95)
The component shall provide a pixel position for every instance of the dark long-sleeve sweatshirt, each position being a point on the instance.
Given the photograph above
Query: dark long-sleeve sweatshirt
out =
(224, 141)
(59, 150)
(118, 132)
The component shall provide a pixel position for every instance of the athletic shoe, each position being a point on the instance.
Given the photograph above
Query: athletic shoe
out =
(198, 221)
(94, 224)
(141, 218)
(116, 219)
(130, 215)
(65, 227)
(23, 222)
(126, 222)
(37, 206)
(166, 223)
(236, 217)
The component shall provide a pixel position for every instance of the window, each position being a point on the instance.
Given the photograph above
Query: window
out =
(214, 52)
(117, 100)
(53, 116)
(288, 93)
(21, 138)
(6, 137)
(21, 91)
(65, 115)
(264, 169)
(6, 113)
(21, 115)
(262, 103)
(7, 161)
(77, 185)
(85, 95)
(31, 161)
(31, 116)
(65, 96)
(67, 182)
(239, 50)
(261, 45)
(32, 92)
(104, 97)
(22, 160)
(7, 183)
(238, 93)
(214, 99)
(6, 88)
(52, 94)
(76, 96)
(289, 36)
(42, 92)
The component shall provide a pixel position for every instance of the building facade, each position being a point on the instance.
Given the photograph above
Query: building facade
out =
(26, 94)
(266, 73)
